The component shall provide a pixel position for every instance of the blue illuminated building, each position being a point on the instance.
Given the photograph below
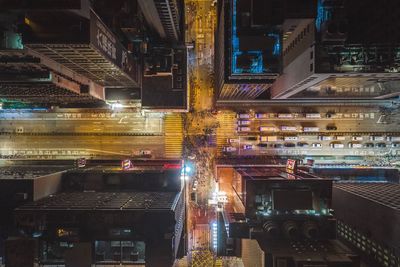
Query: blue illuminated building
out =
(248, 57)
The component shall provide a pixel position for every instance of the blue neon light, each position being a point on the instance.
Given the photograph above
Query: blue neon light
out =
(277, 45)
(257, 64)
(323, 14)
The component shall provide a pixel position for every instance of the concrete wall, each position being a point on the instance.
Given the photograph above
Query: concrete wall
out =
(252, 254)
(46, 185)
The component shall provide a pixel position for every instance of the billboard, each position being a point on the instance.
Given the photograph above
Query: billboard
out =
(291, 166)
(103, 40)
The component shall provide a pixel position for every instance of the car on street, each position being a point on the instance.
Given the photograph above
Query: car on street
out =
(377, 138)
(247, 147)
(331, 128)
(232, 140)
(368, 145)
(289, 144)
(355, 145)
(357, 138)
(252, 138)
(397, 144)
(380, 145)
(316, 145)
(291, 138)
(302, 144)
(324, 137)
(243, 129)
(277, 145)
(241, 122)
(243, 116)
(229, 149)
(262, 145)
(336, 145)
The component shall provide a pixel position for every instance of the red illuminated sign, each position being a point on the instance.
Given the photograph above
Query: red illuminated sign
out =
(291, 166)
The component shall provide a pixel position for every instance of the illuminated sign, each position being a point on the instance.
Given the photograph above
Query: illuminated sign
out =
(126, 164)
(291, 166)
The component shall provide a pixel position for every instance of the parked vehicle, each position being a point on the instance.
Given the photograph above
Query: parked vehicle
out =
(324, 137)
(355, 145)
(243, 129)
(229, 149)
(262, 144)
(336, 145)
(302, 144)
(232, 140)
(316, 145)
(247, 147)
(397, 144)
(291, 138)
(289, 128)
(243, 116)
(243, 122)
(313, 115)
(357, 138)
(331, 128)
(269, 138)
(368, 145)
(267, 129)
(289, 144)
(262, 116)
(278, 145)
(393, 138)
(285, 115)
(377, 138)
(310, 129)
(380, 145)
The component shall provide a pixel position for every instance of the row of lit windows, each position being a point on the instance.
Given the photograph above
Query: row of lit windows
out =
(368, 246)
(296, 40)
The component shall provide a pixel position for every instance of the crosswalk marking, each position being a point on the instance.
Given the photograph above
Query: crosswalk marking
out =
(173, 136)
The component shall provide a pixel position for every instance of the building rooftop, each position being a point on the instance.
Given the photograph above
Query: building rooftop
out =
(273, 173)
(106, 201)
(386, 194)
(29, 172)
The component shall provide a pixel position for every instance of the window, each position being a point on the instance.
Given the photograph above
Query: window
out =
(311, 67)
(53, 252)
(311, 54)
(119, 251)
(308, 28)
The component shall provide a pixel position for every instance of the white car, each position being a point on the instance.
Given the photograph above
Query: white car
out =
(145, 152)
(243, 122)
(243, 116)
(232, 140)
(229, 149)
(316, 145)
(243, 129)
(357, 138)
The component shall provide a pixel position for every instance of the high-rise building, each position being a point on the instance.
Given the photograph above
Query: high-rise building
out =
(99, 215)
(248, 46)
(368, 217)
(282, 218)
(164, 17)
(71, 60)
(247, 50)
(341, 52)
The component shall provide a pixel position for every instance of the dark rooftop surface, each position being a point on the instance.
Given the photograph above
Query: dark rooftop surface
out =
(384, 193)
(158, 92)
(274, 173)
(106, 201)
(29, 172)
